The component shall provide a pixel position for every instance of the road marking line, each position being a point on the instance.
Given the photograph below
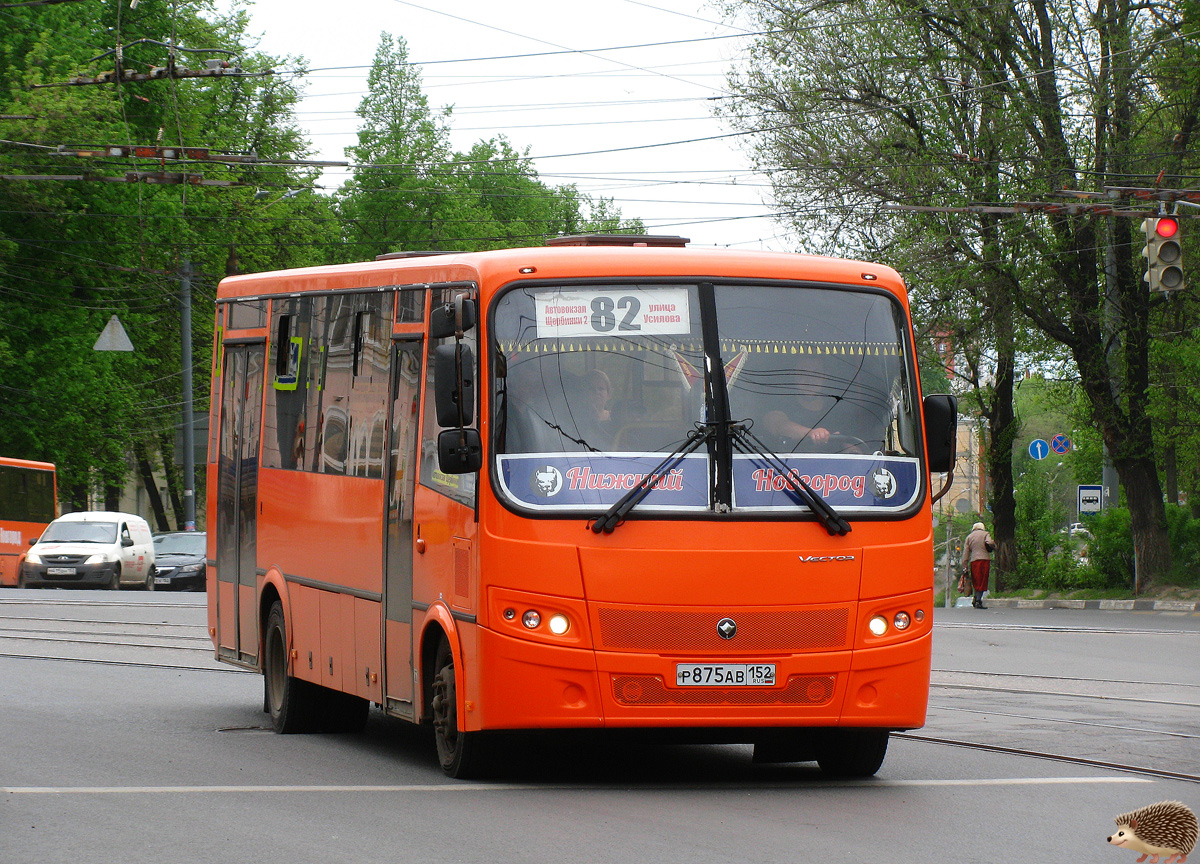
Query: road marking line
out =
(516, 787)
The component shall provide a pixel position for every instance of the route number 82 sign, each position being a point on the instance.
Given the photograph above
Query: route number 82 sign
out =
(614, 312)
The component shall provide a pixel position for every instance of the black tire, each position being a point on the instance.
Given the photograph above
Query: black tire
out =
(853, 752)
(292, 703)
(149, 586)
(460, 753)
(114, 584)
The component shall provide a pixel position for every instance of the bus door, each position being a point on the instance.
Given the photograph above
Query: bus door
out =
(404, 436)
(237, 502)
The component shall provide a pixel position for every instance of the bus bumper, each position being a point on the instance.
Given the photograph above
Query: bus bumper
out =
(530, 685)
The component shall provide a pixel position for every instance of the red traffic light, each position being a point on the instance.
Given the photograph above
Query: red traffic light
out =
(1166, 227)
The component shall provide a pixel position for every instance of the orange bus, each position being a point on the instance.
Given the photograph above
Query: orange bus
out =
(28, 503)
(613, 483)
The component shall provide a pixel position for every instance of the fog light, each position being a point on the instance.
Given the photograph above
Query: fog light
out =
(559, 624)
(877, 625)
(531, 619)
(920, 616)
(901, 621)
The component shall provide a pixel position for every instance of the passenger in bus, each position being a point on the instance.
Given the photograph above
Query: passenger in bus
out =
(590, 411)
(821, 414)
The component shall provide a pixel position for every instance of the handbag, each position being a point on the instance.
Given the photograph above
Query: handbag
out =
(989, 545)
(964, 587)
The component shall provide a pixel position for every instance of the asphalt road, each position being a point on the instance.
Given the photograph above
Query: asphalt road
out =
(152, 752)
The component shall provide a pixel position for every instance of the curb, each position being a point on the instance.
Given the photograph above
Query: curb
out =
(1107, 605)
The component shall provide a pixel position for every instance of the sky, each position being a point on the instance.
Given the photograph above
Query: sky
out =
(634, 124)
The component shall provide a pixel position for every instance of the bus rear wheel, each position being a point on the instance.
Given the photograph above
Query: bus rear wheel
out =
(460, 753)
(292, 703)
(853, 752)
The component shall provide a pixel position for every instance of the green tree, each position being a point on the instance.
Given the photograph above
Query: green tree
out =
(409, 190)
(861, 111)
(73, 253)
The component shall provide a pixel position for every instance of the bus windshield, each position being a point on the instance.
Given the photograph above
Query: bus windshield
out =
(592, 382)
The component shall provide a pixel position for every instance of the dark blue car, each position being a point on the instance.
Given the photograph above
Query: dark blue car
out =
(179, 559)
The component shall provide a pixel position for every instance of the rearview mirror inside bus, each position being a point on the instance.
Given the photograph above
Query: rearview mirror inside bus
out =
(941, 430)
(448, 365)
(460, 451)
(443, 320)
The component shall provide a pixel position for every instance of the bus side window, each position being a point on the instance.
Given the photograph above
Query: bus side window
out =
(369, 385)
(286, 441)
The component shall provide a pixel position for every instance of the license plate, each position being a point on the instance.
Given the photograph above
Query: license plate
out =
(60, 571)
(725, 674)
(162, 580)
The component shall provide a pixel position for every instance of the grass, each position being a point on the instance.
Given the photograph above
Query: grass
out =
(1156, 592)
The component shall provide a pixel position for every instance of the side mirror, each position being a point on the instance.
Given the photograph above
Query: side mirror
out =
(34, 540)
(450, 362)
(445, 321)
(126, 541)
(941, 431)
(460, 451)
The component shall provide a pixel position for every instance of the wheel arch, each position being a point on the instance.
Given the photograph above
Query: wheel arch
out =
(438, 626)
(273, 590)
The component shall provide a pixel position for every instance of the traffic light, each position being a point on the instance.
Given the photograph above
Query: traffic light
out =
(1164, 257)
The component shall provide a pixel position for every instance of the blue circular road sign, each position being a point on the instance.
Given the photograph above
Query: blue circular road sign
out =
(1060, 443)
(1038, 448)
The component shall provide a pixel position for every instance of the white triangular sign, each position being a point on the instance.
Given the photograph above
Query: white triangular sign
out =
(113, 338)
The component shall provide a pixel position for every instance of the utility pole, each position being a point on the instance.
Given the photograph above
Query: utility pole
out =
(1109, 479)
(189, 428)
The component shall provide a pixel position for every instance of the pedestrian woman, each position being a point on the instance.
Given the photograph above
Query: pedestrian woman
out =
(977, 554)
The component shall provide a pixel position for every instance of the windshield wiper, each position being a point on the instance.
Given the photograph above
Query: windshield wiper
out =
(747, 442)
(616, 513)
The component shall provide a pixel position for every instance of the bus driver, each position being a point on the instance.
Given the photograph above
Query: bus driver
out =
(821, 413)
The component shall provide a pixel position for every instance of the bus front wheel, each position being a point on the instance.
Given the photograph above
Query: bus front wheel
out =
(853, 752)
(460, 753)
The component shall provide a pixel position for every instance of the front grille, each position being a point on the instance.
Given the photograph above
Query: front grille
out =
(637, 690)
(163, 571)
(59, 560)
(662, 630)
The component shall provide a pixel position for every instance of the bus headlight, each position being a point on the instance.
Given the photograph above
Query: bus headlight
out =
(559, 624)
(878, 625)
(532, 619)
(901, 621)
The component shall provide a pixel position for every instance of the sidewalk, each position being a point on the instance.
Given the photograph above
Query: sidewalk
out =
(1109, 605)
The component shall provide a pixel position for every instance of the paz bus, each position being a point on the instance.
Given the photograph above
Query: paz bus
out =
(613, 483)
(28, 503)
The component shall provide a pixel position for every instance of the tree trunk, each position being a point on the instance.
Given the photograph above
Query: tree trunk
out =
(166, 451)
(1151, 549)
(151, 485)
(1004, 427)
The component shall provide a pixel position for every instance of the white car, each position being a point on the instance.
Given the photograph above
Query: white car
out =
(95, 549)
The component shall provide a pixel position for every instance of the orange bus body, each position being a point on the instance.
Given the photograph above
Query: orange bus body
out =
(28, 503)
(366, 606)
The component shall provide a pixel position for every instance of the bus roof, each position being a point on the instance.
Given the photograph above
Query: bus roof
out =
(26, 463)
(494, 268)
